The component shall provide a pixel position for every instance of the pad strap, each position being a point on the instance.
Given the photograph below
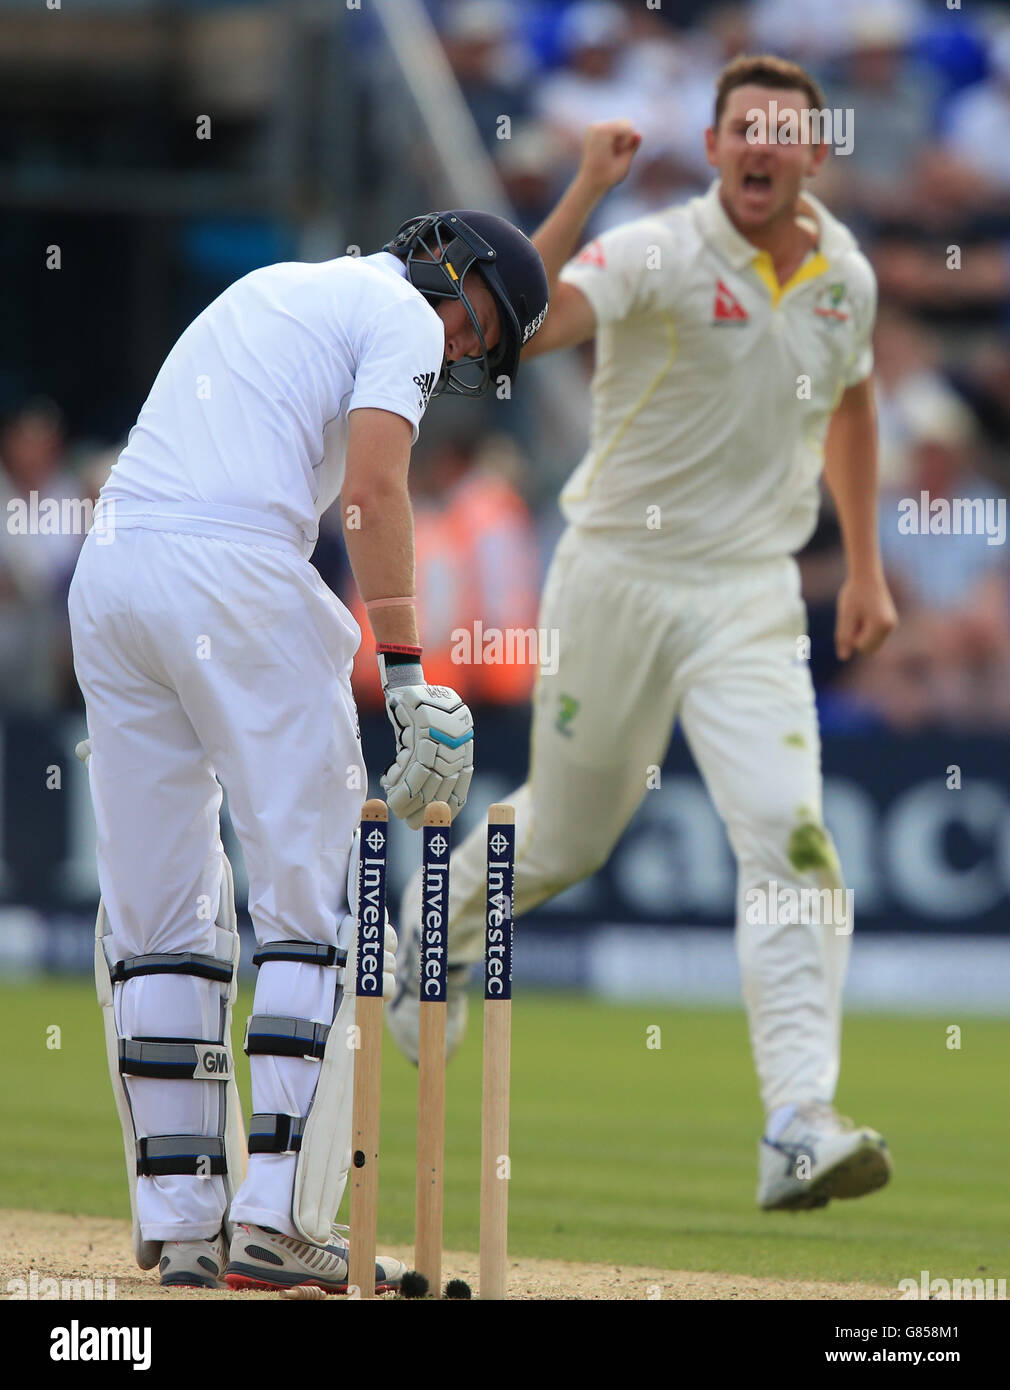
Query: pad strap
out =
(276, 1134)
(272, 1036)
(304, 952)
(196, 1154)
(178, 963)
(192, 1059)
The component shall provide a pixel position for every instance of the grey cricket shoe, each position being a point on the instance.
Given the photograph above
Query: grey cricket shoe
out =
(193, 1264)
(819, 1155)
(403, 1013)
(261, 1258)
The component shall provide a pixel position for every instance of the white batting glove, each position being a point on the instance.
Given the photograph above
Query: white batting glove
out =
(434, 760)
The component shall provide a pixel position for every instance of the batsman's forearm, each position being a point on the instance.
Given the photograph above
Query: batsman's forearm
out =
(558, 238)
(379, 535)
(851, 473)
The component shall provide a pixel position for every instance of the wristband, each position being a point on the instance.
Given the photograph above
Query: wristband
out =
(398, 651)
(372, 603)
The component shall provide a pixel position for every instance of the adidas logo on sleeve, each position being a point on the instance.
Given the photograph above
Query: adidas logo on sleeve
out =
(424, 381)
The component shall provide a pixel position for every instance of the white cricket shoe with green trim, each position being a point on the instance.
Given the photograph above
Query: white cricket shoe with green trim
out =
(819, 1155)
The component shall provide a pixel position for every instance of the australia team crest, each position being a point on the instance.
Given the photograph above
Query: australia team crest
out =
(832, 305)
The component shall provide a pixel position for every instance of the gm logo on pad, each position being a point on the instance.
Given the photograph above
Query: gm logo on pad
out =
(212, 1063)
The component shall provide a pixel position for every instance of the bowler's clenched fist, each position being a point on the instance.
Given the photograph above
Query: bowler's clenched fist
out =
(607, 152)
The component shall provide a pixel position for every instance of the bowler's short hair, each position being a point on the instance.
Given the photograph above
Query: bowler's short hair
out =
(765, 70)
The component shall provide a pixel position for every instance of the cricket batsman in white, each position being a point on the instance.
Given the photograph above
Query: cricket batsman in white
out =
(734, 360)
(211, 654)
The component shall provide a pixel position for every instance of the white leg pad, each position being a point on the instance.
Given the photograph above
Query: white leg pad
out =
(324, 1160)
(322, 1138)
(233, 1131)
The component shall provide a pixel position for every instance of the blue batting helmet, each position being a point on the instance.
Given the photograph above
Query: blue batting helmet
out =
(439, 248)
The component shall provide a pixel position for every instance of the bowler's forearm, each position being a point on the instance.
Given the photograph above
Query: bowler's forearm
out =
(558, 238)
(851, 473)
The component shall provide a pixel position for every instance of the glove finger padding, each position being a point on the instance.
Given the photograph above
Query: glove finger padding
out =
(457, 797)
(442, 792)
(395, 770)
(401, 800)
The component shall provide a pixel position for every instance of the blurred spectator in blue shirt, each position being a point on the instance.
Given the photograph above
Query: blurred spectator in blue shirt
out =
(945, 553)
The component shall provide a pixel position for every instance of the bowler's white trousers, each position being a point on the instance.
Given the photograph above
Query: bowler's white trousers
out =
(211, 652)
(721, 652)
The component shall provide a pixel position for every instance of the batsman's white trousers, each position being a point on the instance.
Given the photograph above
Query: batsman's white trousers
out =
(200, 658)
(720, 652)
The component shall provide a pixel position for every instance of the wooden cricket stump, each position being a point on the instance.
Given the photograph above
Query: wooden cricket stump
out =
(369, 949)
(431, 1059)
(495, 1170)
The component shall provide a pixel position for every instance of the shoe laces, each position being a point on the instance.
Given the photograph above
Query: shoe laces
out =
(322, 1258)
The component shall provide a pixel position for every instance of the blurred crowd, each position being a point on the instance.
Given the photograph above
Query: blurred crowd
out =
(926, 188)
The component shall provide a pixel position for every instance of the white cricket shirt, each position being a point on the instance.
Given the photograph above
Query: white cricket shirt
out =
(250, 407)
(714, 385)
